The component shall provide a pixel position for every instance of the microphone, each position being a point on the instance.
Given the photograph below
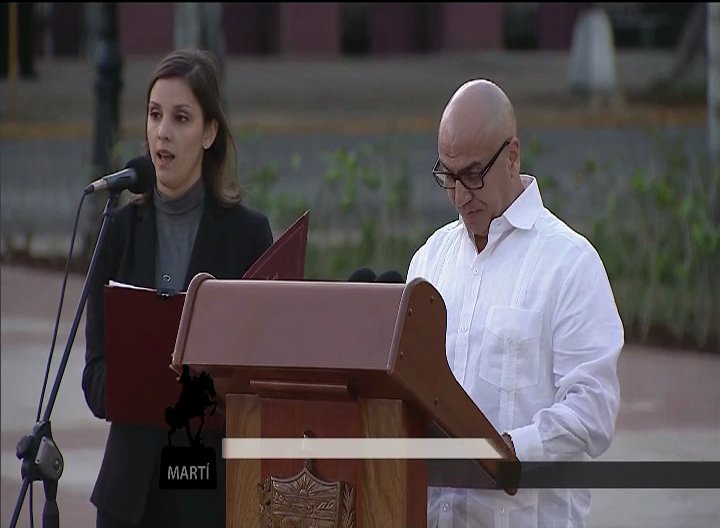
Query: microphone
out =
(362, 275)
(390, 276)
(138, 176)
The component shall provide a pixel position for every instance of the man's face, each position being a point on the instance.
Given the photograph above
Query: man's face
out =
(478, 207)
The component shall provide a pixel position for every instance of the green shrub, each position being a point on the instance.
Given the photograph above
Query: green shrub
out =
(361, 216)
(659, 236)
(657, 232)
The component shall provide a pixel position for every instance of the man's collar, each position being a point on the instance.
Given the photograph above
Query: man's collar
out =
(522, 213)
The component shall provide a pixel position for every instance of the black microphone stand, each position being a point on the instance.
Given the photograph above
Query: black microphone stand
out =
(41, 458)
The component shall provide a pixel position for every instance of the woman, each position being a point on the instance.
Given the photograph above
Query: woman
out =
(191, 222)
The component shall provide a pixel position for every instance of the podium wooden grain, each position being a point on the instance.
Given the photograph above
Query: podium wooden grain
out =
(386, 489)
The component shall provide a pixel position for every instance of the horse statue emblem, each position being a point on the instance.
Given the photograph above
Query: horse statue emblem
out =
(198, 393)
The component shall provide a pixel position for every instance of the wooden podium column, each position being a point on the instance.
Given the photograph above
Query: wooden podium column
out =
(242, 475)
(393, 492)
(387, 493)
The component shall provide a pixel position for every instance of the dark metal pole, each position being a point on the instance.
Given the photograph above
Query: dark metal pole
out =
(108, 84)
(108, 63)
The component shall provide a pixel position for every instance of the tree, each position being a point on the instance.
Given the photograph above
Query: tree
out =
(691, 44)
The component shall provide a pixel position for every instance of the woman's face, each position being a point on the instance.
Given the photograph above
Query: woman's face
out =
(177, 136)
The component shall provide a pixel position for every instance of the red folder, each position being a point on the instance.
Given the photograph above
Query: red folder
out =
(141, 328)
(285, 259)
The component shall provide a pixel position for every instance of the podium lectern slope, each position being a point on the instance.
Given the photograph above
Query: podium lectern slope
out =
(336, 354)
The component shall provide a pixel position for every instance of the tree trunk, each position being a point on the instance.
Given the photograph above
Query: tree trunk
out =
(713, 80)
(199, 25)
(691, 44)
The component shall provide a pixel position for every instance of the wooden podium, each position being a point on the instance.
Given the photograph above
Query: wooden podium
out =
(335, 360)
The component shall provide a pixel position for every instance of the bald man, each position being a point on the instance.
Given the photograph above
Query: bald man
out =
(533, 333)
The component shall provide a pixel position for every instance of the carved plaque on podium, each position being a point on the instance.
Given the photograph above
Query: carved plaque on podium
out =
(304, 501)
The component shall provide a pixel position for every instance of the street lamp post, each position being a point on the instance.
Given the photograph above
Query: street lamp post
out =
(108, 84)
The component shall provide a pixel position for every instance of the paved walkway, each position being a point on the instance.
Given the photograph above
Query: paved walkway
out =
(284, 110)
(400, 93)
(670, 412)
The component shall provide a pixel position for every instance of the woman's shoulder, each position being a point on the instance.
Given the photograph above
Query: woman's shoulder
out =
(241, 213)
(241, 222)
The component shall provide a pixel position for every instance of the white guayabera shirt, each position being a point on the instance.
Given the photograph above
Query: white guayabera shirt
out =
(533, 336)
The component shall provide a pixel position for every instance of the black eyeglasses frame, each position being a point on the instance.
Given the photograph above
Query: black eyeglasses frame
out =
(468, 178)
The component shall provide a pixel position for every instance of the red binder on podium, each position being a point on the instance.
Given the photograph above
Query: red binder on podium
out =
(141, 328)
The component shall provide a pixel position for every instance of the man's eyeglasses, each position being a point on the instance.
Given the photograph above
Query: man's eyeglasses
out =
(470, 179)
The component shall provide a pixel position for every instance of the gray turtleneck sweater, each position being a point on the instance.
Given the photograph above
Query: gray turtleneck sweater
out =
(177, 224)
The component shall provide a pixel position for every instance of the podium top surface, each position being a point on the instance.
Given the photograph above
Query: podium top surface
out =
(291, 324)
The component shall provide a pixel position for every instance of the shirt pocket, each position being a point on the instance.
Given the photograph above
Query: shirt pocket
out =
(510, 353)
(497, 510)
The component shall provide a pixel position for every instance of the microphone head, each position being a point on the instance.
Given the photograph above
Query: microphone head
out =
(390, 276)
(145, 171)
(362, 275)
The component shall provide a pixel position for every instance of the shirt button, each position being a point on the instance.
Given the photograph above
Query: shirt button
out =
(463, 328)
(445, 507)
(502, 510)
(475, 271)
(166, 277)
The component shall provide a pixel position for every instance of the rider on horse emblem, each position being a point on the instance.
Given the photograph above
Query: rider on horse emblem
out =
(198, 393)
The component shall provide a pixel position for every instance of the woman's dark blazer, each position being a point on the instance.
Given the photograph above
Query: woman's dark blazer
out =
(228, 242)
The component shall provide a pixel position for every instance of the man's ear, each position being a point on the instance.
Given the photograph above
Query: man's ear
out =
(514, 155)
